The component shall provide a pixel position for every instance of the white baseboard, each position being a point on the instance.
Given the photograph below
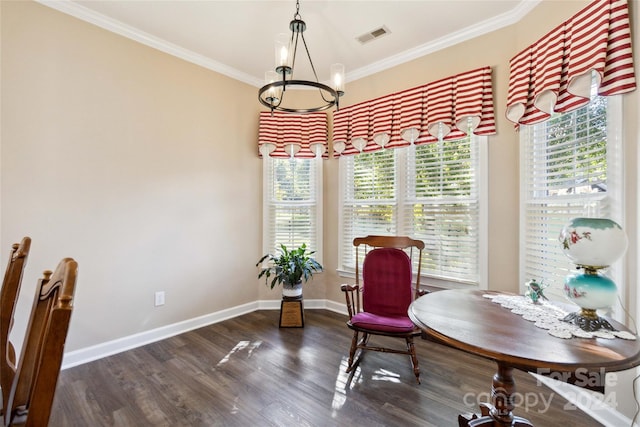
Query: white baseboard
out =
(98, 351)
(336, 307)
(590, 402)
(308, 303)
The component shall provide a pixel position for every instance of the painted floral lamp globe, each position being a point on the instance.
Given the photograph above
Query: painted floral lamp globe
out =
(593, 244)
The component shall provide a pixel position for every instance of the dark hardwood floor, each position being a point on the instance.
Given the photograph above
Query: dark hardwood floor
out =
(248, 372)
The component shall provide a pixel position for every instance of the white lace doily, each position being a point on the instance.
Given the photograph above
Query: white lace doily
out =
(548, 316)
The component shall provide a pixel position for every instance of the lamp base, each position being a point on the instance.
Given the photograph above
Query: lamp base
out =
(588, 320)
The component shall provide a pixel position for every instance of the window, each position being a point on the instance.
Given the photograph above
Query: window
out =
(292, 204)
(571, 167)
(431, 192)
(441, 206)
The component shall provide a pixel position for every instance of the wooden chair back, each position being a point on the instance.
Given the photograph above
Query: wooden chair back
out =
(8, 297)
(33, 389)
(364, 244)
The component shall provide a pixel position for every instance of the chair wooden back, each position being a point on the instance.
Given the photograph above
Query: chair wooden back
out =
(8, 297)
(33, 389)
(364, 244)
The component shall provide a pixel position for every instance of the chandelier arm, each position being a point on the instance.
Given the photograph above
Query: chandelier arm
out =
(294, 43)
(313, 68)
(306, 48)
(328, 100)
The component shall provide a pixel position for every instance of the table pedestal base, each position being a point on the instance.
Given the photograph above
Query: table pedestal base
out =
(486, 420)
(498, 414)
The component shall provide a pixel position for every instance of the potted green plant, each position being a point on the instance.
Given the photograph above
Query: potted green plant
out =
(289, 268)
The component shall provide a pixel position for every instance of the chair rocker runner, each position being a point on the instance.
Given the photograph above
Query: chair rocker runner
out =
(379, 306)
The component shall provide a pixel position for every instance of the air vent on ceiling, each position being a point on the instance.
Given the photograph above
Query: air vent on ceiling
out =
(373, 34)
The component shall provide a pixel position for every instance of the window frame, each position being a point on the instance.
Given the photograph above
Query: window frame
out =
(614, 195)
(402, 170)
(267, 202)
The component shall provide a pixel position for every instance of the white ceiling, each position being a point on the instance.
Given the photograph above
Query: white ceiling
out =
(236, 38)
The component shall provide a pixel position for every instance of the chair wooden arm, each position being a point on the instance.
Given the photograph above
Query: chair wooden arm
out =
(352, 296)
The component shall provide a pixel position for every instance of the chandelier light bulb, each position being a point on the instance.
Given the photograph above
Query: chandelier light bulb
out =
(283, 55)
(337, 73)
(282, 51)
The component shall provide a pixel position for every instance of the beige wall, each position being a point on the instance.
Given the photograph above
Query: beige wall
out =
(141, 166)
(122, 157)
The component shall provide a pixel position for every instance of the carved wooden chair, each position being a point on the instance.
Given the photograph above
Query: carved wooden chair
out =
(379, 306)
(34, 385)
(8, 297)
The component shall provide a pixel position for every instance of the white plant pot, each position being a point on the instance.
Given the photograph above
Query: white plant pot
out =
(292, 291)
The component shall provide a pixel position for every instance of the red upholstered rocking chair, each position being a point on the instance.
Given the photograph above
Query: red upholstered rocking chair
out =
(379, 306)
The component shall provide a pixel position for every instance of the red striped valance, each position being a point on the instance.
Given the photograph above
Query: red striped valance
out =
(554, 74)
(297, 135)
(414, 115)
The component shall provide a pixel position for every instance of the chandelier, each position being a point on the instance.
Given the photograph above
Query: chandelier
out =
(271, 95)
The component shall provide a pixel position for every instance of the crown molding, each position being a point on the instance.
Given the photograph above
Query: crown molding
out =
(102, 21)
(485, 27)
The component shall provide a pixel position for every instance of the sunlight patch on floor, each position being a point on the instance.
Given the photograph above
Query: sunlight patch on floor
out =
(384, 375)
(342, 382)
(235, 409)
(242, 345)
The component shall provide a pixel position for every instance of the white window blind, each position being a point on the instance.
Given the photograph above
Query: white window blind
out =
(369, 198)
(569, 168)
(441, 207)
(291, 206)
(428, 192)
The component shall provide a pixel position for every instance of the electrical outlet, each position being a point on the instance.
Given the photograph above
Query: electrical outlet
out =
(159, 298)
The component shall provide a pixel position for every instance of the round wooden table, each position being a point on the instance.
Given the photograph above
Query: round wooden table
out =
(466, 320)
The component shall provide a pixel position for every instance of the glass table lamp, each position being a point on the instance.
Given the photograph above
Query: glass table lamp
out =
(593, 244)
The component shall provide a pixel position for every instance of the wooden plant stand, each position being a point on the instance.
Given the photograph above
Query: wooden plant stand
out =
(291, 312)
